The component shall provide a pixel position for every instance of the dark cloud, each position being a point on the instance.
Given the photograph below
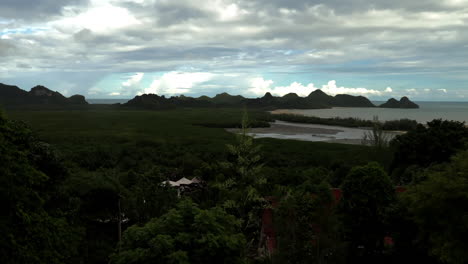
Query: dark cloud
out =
(7, 49)
(23, 66)
(173, 53)
(35, 10)
(83, 35)
(350, 6)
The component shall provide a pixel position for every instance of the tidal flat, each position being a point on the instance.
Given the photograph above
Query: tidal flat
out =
(313, 132)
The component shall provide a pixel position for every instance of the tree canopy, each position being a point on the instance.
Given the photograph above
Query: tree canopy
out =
(424, 146)
(439, 207)
(31, 231)
(185, 234)
(367, 195)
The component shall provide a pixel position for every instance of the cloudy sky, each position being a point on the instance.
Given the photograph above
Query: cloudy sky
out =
(121, 48)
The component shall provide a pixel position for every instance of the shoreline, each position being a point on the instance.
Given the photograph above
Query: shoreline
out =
(312, 132)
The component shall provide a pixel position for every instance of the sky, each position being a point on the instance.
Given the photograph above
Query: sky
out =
(123, 48)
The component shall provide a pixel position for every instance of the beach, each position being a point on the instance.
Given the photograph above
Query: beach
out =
(312, 132)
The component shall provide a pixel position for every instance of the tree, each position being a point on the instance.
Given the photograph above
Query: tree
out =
(150, 198)
(307, 228)
(426, 146)
(377, 136)
(32, 230)
(240, 192)
(439, 207)
(186, 234)
(367, 195)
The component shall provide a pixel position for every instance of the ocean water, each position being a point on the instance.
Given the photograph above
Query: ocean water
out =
(427, 111)
(107, 101)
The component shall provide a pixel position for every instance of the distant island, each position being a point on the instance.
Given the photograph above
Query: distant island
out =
(315, 100)
(403, 103)
(38, 95)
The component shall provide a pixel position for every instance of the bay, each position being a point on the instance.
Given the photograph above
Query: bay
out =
(427, 111)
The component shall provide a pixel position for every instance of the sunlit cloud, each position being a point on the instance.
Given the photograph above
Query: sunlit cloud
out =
(102, 18)
(172, 83)
(259, 86)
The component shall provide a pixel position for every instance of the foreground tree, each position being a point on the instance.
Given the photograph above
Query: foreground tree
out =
(439, 207)
(367, 195)
(307, 227)
(186, 234)
(241, 190)
(426, 146)
(32, 228)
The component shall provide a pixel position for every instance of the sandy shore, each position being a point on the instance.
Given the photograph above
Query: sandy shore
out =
(282, 111)
(312, 132)
(287, 129)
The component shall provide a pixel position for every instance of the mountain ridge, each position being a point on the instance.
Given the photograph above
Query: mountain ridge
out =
(315, 100)
(38, 95)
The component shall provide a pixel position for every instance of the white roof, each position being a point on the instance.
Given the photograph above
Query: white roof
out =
(182, 181)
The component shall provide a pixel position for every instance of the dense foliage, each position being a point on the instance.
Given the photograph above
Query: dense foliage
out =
(308, 226)
(33, 228)
(367, 195)
(97, 193)
(439, 207)
(185, 234)
(426, 146)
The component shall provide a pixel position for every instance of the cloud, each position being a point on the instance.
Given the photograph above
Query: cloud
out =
(259, 86)
(131, 86)
(134, 80)
(172, 83)
(333, 89)
(36, 10)
(442, 90)
(100, 18)
(308, 37)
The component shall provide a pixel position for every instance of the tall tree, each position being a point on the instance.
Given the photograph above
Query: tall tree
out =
(367, 195)
(240, 192)
(307, 226)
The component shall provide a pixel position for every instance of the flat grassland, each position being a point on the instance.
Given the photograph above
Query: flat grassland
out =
(104, 136)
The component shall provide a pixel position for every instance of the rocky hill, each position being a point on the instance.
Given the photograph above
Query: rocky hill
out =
(316, 99)
(39, 95)
(404, 102)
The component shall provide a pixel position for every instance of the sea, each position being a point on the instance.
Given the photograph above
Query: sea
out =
(427, 111)
(107, 101)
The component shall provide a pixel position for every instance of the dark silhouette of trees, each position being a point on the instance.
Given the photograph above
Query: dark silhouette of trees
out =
(186, 234)
(367, 195)
(33, 229)
(439, 207)
(426, 146)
